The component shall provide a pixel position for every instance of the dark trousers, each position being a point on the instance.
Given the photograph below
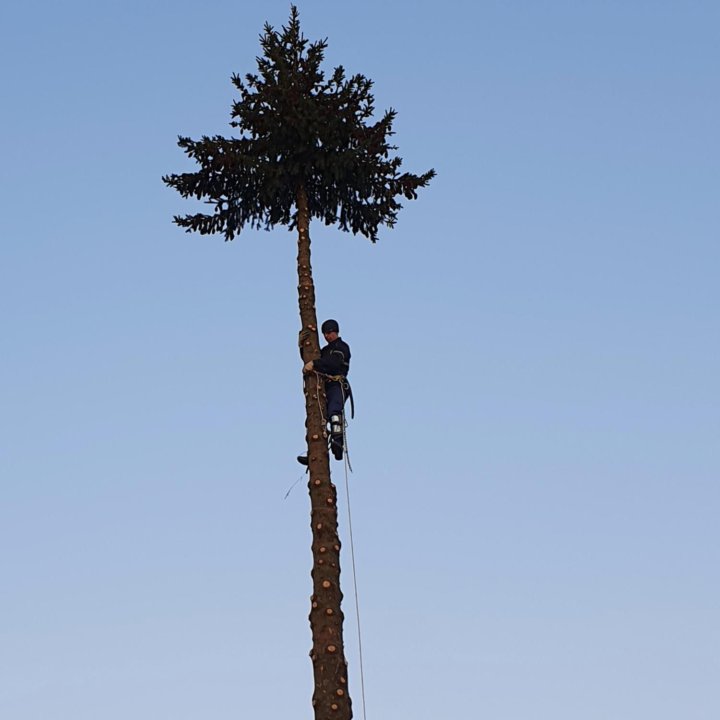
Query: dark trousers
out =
(335, 400)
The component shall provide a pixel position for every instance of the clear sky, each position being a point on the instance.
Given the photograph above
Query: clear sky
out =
(535, 361)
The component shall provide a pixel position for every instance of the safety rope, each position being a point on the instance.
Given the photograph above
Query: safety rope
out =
(320, 405)
(352, 556)
(292, 487)
(348, 467)
(355, 587)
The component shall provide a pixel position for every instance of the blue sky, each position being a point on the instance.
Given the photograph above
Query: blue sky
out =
(535, 351)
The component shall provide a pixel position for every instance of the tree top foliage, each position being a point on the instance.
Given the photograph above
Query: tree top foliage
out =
(298, 130)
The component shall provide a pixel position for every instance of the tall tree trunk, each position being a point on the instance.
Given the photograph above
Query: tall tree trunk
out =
(331, 698)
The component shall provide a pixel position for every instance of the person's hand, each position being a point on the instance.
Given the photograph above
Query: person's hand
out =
(303, 335)
(308, 367)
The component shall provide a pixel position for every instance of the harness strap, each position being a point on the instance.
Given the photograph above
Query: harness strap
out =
(345, 382)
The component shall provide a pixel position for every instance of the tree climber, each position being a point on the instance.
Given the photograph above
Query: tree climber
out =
(334, 364)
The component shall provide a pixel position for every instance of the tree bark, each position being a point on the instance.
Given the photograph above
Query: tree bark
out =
(331, 699)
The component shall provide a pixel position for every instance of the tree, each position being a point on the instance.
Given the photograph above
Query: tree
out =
(307, 147)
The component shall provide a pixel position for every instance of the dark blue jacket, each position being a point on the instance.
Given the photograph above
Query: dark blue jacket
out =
(334, 358)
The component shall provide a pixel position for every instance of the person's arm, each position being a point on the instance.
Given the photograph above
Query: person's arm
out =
(336, 362)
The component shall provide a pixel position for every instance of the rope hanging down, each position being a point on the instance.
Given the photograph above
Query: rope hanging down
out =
(348, 467)
(354, 574)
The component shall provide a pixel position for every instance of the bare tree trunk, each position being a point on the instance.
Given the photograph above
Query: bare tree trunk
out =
(331, 699)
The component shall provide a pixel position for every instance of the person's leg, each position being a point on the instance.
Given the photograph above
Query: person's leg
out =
(334, 395)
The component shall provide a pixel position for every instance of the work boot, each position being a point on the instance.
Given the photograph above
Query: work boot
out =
(336, 436)
(302, 459)
(337, 450)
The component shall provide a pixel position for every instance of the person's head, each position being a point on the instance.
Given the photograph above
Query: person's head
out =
(330, 330)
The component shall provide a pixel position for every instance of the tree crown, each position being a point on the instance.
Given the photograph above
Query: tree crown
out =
(298, 130)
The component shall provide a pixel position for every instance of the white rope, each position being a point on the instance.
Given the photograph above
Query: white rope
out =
(320, 405)
(354, 574)
(352, 541)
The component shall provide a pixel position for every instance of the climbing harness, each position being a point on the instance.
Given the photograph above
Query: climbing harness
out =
(345, 386)
(338, 423)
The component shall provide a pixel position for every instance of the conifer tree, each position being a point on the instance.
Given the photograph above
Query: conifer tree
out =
(306, 146)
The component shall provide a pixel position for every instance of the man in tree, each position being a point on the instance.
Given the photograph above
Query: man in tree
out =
(334, 364)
